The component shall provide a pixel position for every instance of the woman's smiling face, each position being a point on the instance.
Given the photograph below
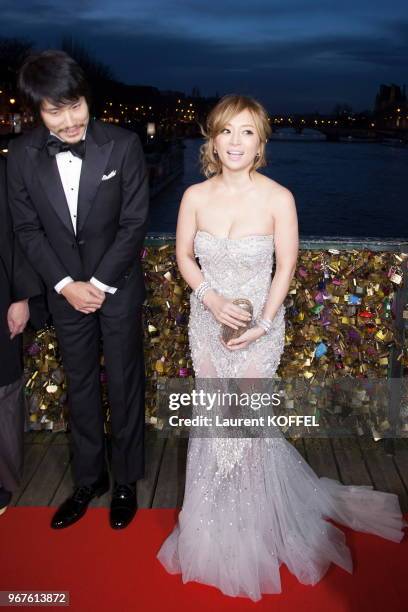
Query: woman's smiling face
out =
(238, 142)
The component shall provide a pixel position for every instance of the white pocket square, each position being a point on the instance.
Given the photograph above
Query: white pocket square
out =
(106, 177)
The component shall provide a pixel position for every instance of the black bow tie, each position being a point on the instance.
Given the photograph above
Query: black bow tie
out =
(55, 145)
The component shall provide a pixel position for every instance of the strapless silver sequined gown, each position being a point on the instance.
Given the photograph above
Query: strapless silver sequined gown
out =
(252, 504)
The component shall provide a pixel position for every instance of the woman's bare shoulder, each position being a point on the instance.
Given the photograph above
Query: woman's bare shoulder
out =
(197, 190)
(197, 194)
(275, 193)
(272, 187)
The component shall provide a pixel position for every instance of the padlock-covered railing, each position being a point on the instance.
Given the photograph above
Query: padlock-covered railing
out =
(346, 316)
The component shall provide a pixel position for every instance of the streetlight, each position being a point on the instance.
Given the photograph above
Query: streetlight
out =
(151, 130)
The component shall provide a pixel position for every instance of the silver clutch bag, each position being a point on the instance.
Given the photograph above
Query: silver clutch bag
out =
(227, 332)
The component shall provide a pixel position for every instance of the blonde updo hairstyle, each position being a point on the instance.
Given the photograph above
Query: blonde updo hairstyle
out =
(217, 119)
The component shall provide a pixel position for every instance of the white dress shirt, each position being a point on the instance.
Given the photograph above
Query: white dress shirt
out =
(69, 167)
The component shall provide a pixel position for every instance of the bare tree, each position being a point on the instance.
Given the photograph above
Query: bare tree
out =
(100, 76)
(95, 70)
(13, 52)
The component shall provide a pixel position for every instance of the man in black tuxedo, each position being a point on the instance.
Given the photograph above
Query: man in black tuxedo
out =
(18, 282)
(78, 191)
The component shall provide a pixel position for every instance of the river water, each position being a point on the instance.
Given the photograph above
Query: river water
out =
(340, 189)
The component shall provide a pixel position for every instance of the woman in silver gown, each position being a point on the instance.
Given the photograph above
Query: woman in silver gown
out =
(251, 504)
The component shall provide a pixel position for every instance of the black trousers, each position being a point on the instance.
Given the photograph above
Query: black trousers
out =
(12, 422)
(119, 324)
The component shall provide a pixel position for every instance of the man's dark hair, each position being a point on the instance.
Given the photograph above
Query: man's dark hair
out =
(51, 75)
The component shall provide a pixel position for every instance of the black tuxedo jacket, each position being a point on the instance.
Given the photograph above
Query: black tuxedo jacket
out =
(18, 281)
(112, 214)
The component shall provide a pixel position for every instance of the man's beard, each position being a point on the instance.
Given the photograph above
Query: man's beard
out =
(80, 127)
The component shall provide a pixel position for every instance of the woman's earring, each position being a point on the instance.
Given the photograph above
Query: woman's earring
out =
(257, 156)
(215, 152)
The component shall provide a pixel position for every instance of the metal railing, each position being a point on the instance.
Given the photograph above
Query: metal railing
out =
(347, 243)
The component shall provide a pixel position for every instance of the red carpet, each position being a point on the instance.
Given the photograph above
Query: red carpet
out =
(118, 572)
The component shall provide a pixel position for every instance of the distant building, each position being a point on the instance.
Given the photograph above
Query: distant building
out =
(389, 97)
(391, 107)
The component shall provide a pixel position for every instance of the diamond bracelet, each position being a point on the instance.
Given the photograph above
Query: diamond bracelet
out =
(265, 324)
(201, 290)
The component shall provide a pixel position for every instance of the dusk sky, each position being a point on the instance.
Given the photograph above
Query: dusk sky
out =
(294, 55)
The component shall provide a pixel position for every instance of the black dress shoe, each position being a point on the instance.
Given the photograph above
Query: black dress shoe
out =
(123, 506)
(75, 506)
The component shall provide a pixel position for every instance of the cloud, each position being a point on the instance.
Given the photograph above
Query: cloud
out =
(304, 51)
